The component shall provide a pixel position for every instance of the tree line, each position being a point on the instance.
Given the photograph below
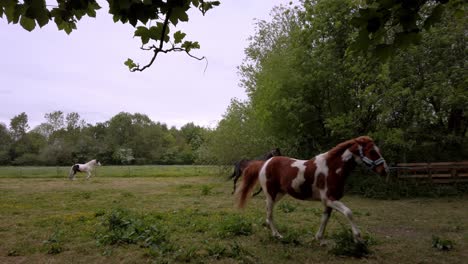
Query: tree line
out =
(126, 138)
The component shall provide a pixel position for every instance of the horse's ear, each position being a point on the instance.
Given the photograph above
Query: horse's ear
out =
(363, 140)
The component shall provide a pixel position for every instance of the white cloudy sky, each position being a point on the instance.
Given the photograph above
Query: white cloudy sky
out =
(47, 70)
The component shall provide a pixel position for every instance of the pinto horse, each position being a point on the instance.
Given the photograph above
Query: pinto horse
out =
(240, 166)
(87, 167)
(321, 178)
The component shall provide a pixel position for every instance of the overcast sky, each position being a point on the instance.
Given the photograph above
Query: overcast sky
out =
(46, 70)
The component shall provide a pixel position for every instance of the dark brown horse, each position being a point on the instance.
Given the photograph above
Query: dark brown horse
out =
(321, 178)
(242, 164)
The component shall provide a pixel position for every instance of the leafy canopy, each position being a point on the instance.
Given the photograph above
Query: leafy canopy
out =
(161, 14)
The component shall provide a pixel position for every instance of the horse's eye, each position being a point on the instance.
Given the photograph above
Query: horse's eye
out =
(373, 153)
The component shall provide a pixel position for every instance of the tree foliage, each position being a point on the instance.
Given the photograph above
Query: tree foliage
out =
(152, 19)
(308, 91)
(388, 25)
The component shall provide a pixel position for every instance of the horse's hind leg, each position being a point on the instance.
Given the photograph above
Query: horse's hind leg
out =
(236, 177)
(270, 203)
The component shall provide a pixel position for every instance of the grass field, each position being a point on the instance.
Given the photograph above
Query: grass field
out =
(189, 216)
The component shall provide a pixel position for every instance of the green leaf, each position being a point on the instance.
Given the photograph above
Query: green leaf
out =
(404, 39)
(189, 45)
(383, 51)
(434, 17)
(178, 37)
(178, 14)
(130, 64)
(27, 23)
(143, 33)
(156, 31)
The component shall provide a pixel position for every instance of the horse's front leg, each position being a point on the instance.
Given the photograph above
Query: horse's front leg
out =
(89, 175)
(323, 224)
(340, 207)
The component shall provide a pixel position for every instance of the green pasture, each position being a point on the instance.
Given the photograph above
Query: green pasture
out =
(111, 171)
(188, 215)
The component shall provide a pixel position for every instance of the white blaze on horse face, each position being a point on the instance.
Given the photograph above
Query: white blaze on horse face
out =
(358, 159)
(299, 179)
(347, 155)
(338, 171)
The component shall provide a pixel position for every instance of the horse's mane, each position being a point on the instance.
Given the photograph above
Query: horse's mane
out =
(340, 148)
(91, 161)
(343, 146)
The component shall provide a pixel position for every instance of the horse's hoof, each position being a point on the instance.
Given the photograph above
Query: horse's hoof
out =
(323, 242)
(277, 235)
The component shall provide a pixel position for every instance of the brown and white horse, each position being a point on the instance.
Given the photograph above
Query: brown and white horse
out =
(321, 178)
(240, 166)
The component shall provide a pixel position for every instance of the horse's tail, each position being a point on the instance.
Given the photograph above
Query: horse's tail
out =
(72, 172)
(249, 180)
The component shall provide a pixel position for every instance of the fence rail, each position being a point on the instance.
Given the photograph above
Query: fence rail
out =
(437, 172)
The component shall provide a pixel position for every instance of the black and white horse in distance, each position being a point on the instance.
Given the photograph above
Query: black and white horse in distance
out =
(87, 167)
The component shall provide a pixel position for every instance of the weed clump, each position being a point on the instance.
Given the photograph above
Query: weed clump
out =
(53, 243)
(345, 245)
(206, 190)
(442, 244)
(287, 207)
(235, 225)
(123, 227)
(233, 251)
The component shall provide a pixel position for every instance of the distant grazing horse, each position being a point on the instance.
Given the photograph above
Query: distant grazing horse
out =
(321, 178)
(242, 164)
(87, 167)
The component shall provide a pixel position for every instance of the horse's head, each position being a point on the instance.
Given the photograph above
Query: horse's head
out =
(276, 152)
(98, 163)
(368, 153)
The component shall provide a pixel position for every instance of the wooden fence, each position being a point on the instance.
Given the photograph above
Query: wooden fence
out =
(437, 172)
